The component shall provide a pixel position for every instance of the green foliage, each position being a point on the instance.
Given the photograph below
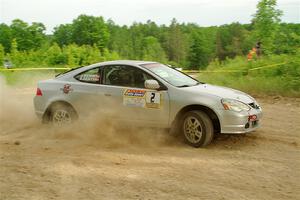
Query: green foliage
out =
(63, 34)
(71, 55)
(90, 30)
(266, 23)
(288, 39)
(1, 55)
(55, 56)
(176, 43)
(5, 36)
(275, 79)
(27, 36)
(85, 30)
(233, 40)
(90, 39)
(152, 50)
(199, 54)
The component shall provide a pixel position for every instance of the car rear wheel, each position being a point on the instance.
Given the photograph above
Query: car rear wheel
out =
(197, 128)
(62, 114)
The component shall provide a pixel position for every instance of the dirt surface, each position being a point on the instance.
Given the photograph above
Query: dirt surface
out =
(101, 162)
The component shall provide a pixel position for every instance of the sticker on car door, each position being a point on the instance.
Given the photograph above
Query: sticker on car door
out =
(134, 98)
(142, 98)
(153, 99)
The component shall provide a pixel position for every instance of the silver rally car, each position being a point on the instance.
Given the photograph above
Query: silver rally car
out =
(147, 94)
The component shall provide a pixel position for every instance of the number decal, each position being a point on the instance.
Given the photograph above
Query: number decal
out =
(152, 97)
(153, 100)
(142, 98)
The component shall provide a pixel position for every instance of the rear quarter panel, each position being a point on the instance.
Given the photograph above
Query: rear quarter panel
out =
(52, 91)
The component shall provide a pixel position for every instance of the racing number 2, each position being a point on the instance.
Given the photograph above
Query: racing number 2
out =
(153, 99)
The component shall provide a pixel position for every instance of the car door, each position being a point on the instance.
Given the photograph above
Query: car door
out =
(87, 94)
(130, 101)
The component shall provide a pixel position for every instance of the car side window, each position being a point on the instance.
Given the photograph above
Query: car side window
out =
(90, 76)
(126, 76)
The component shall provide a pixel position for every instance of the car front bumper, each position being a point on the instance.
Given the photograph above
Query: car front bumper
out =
(239, 122)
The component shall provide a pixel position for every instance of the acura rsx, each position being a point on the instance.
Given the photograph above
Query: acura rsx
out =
(148, 94)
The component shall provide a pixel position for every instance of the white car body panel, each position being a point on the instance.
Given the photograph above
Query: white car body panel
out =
(109, 100)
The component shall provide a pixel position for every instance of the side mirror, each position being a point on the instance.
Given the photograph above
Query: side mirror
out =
(152, 84)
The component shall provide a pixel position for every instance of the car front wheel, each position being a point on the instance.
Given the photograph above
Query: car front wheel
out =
(197, 128)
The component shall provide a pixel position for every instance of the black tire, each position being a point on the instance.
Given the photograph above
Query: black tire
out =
(68, 111)
(197, 135)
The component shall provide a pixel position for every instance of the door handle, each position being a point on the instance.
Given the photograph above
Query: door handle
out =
(107, 95)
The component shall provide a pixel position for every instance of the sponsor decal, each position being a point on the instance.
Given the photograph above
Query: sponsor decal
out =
(89, 77)
(142, 98)
(134, 93)
(66, 89)
(134, 98)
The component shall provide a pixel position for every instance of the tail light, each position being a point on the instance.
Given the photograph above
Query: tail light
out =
(39, 92)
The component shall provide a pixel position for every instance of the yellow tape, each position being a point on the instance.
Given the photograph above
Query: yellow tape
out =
(228, 71)
(36, 69)
(185, 71)
(190, 71)
(267, 66)
(207, 71)
(222, 71)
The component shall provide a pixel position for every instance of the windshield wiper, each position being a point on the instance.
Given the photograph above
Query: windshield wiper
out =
(188, 85)
(185, 86)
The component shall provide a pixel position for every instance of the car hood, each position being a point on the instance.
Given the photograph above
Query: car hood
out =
(222, 92)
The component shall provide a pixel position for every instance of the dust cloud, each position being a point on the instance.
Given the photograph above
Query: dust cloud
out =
(17, 117)
(95, 158)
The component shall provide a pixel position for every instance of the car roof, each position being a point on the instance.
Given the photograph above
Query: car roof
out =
(115, 62)
(124, 62)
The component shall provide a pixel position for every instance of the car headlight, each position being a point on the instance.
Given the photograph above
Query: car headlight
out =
(235, 105)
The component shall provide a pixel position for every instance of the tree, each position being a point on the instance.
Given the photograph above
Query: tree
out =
(176, 43)
(288, 39)
(152, 50)
(120, 40)
(21, 34)
(90, 30)
(63, 34)
(5, 37)
(72, 53)
(1, 54)
(90, 39)
(28, 36)
(231, 41)
(37, 35)
(199, 52)
(266, 23)
(14, 53)
(55, 56)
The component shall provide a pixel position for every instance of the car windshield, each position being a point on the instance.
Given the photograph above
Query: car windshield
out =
(171, 75)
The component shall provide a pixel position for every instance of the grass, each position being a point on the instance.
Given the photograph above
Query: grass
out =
(255, 85)
(25, 78)
(281, 79)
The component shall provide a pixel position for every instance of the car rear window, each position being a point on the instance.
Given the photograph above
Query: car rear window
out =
(90, 76)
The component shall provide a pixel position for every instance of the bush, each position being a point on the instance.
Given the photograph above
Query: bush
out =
(283, 79)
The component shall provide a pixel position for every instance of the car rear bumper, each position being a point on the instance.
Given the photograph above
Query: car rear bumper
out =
(39, 106)
(39, 114)
(239, 123)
